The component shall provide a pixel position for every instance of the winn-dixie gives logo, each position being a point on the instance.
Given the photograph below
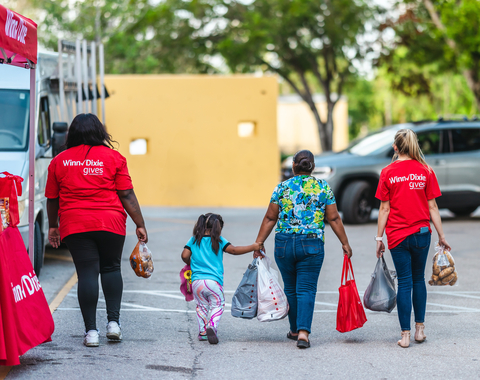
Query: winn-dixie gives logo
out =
(415, 181)
(15, 29)
(90, 167)
(28, 285)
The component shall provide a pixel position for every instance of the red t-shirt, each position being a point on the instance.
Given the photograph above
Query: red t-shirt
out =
(87, 186)
(408, 185)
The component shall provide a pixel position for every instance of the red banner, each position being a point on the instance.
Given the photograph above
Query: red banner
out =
(18, 35)
(25, 318)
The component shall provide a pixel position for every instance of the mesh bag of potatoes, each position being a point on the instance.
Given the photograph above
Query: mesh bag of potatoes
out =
(443, 271)
(141, 260)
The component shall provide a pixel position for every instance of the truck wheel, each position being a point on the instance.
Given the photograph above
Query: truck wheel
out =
(463, 211)
(39, 249)
(357, 202)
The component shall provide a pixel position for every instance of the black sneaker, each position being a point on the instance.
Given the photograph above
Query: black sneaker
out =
(212, 335)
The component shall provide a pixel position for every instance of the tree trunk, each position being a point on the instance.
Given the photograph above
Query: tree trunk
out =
(322, 128)
(329, 124)
(474, 85)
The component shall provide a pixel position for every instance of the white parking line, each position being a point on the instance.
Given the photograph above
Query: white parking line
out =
(175, 294)
(455, 307)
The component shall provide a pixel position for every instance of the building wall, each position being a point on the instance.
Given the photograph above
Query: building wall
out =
(297, 128)
(195, 156)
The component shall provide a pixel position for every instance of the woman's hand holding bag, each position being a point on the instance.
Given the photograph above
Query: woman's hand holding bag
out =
(350, 313)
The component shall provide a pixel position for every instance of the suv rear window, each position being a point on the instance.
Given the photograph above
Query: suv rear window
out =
(430, 141)
(465, 140)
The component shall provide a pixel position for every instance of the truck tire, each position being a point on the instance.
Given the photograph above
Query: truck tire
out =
(463, 211)
(357, 202)
(39, 249)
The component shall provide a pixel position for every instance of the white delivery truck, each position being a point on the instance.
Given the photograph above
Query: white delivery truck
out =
(58, 89)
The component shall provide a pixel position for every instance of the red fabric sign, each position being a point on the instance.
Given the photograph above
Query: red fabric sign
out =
(18, 35)
(350, 312)
(25, 318)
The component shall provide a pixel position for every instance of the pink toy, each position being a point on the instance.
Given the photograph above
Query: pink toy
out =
(186, 283)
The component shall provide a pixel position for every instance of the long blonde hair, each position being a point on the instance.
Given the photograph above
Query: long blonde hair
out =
(407, 143)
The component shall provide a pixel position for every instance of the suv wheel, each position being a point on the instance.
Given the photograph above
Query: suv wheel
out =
(463, 211)
(357, 202)
(39, 249)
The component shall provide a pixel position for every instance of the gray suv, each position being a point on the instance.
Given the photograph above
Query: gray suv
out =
(451, 148)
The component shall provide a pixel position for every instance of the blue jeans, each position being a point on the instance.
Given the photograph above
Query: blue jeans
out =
(410, 258)
(299, 259)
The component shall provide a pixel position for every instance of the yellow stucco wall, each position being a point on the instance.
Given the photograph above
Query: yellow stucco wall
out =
(195, 156)
(297, 128)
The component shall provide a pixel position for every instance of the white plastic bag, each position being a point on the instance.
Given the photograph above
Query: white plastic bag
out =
(272, 301)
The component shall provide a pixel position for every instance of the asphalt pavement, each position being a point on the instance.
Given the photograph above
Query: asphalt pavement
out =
(160, 328)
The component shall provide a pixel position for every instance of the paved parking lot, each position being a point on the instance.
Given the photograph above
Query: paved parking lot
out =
(160, 328)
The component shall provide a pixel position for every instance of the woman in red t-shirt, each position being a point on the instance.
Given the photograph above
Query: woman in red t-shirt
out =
(88, 190)
(407, 190)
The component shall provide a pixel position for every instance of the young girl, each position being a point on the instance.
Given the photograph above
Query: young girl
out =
(204, 253)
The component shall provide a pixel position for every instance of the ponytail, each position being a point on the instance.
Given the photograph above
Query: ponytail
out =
(212, 222)
(406, 142)
(199, 229)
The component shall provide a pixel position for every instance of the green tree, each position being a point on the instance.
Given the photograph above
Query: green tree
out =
(311, 44)
(139, 37)
(298, 39)
(440, 32)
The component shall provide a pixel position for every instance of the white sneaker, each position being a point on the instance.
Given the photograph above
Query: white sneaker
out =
(91, 338)
(114, 332)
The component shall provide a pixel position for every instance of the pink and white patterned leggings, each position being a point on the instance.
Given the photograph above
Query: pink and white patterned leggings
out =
(210, 301)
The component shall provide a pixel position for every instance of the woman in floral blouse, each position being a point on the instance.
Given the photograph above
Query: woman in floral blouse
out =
(299, 206)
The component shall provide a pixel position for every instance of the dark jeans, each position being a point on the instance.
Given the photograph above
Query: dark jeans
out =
(94, 253)
(299, 259)
(410, 258)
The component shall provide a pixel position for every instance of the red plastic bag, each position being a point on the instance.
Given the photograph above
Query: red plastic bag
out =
(350, 313)
(10, 188)
(25, 317)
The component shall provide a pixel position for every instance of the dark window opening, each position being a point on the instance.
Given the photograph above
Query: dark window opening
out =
(430, 142)
(44, 135)
(465, 140)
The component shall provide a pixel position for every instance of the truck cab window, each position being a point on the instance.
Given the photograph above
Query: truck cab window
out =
(465, 140)
(14, 118)
(44, 135)
(430, 141)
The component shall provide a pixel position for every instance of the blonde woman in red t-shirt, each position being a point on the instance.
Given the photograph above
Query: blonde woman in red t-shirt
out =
(407, 190)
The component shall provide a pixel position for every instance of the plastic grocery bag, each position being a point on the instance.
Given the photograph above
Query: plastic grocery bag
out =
(380, 294)
(350, 313)
(443, 271)
(245, 298)
(141, 260)
(272, 301)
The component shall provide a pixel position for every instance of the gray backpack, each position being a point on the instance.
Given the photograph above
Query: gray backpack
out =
(244, 302)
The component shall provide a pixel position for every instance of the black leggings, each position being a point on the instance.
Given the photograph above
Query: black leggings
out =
(97, 252)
